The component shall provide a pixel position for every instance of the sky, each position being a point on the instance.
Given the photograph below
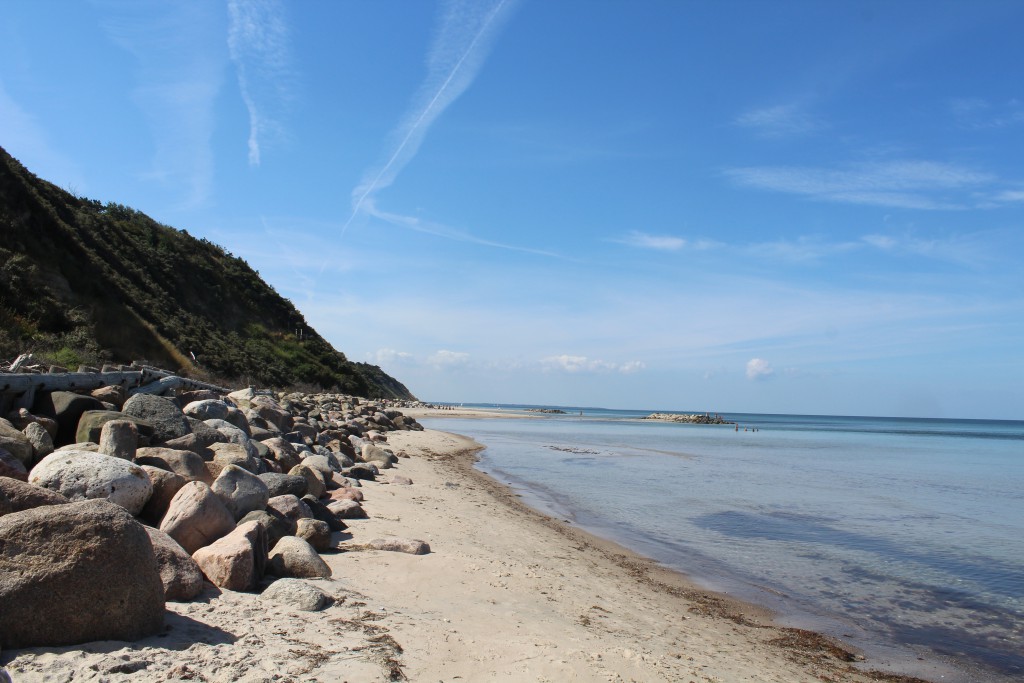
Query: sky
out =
(779, 207)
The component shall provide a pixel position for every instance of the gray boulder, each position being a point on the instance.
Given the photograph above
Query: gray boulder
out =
(42, 444)
(207, 410)
(283, 452)
(90, 426)
(77, 573)
(280, 484)
(315, 485)
(185, 464)
(82, 475)
(294, 557)
(225, 454)
(119, 439)
(25, 496)
(241, 491)
(296, 593)
(165, 486)
(66, 408)
(14, 468)
(276, 524)
(182, 580)
(314, 532)
(165, 415)
(400, 545)
(14, 441)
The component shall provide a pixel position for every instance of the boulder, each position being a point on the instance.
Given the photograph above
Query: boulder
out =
(314, 532)
(315, 485)
(14, 441)
(323, 513)
(114, 395)
(42, 444)
(238, 419)
(325, 465)
(77, 573)
(66, 408)
(179, 573)
(25, 496)
(241, 491)
(401, 480)
(378, 456)
(82, 475)
(289, 506)
(207, 410)
(280, 484)
(196, 517)
(203, 434)
(165, 486)
(296, 593)
(400, 545)
(242, 398)
(225, 454)
(236, 561)
(366, 471)
(294, 557)
(90, 426)
(283, 452)
(119, 439)
(276, 524)
(165, 415)
(14, 468)
(185, 464)
(347, 509)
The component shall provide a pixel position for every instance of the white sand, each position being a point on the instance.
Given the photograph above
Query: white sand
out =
(505, 595)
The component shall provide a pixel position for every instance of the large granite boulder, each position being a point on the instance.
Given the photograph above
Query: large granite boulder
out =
(82, 475)
(276, 524)
(280, 484)
(283, 452)
(90, 426)
(42, 444)
(347, 509)
(296, 593)
(25, 496)
(196, 517)
(236, 561)
(14, 441)
(119, 439)
(66, 408)
(165, 486)
(314, 532)
(324, 513)
(315, 484)
(180, 575)
(165, 415)
(294, 557)
(207, 410)
(241, 491)
(225, 454)
(185, 464)
(11, 466)
(76, 573)
(378, 456)
(411, 546)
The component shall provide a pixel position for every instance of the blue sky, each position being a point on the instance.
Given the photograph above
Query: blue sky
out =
(809, 207)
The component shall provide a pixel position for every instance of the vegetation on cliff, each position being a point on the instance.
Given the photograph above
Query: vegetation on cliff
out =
(87, 282)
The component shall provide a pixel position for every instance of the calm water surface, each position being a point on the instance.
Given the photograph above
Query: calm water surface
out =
(902, 536)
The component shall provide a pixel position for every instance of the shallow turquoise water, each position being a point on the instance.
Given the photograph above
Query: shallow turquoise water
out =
(903, 536)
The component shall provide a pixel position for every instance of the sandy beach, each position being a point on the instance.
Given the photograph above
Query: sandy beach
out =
(506, 594)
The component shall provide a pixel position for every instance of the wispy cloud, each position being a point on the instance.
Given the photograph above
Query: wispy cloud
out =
(258, 41)
(179, 72)
(909, 184)
(448, 359)
(758, 369)
(643, 240)
(784, 120)
(460, 46)
(574, 364)
(975, 113)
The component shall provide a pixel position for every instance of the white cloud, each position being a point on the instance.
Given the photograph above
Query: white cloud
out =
(643, 240)
(784, 120)
(390, 357)
(445, 358)
(460, 47)
(759, 368)
(574, 364)
(258, 42)
(909, 184)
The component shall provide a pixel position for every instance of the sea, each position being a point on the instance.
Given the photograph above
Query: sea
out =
(903, 537)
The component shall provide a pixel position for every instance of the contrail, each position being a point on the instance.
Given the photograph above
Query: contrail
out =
(428, 111)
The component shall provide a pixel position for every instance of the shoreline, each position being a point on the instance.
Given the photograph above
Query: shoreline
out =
(506, 593)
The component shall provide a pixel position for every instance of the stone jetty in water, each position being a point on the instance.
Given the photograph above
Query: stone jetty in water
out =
(689, 418)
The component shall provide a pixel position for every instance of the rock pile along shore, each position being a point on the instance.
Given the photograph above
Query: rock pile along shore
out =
(111, 506)
(692, 418)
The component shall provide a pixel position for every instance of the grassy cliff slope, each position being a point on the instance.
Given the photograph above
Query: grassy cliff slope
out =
(82, 281)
